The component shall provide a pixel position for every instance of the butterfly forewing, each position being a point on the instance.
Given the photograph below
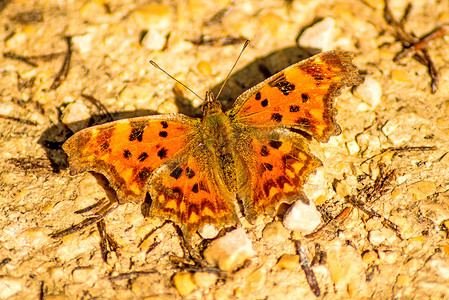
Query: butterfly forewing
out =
(127, 152)
(300, 96)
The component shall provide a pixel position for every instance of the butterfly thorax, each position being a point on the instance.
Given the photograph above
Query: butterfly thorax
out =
(217, 139)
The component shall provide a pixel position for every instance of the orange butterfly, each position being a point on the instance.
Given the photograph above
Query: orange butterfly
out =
(195, 170)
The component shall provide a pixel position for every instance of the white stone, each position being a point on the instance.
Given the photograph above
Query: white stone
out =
(230, 251)
(315, 186)
(440, 267)
(83, 42)
(370, 92)
(302, 217)
(87, 276)
(352, 147)
(319, 36)
(208, 231)
(154, 40)
(376, 237)
(10, 285)
(76, 116)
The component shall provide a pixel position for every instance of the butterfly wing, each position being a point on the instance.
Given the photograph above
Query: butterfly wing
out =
(159, 155)
(274, 159)
(299, 97)
(273, 166)
(128, 151)
(189, 192)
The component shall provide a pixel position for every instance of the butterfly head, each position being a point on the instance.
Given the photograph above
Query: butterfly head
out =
(211, 105)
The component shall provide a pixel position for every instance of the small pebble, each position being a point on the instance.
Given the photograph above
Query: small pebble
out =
(370, 92)
(10, 285)
(154, 40)
(84, 43)
(184, 283)
(435, 212)
(204, 68)
(204, 279)
(140, 286)
(153, 15)
(422, 189)
(208, 231)
(315, 187)
(352, 147)
(403, 280)
(275, 232)
(377, 237)
(230, 251)
(342, 188)
(346, 268)
(369, 257)
(255, 281)
(73, 245)
(302, 217)
(85, 275)
(36, 236)
(288, 262)
(76, 116)
(401, 76)
(319, 36)
(440, 267)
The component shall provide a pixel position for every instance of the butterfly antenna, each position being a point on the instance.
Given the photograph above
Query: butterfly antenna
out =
(229, 74)
(157, 67)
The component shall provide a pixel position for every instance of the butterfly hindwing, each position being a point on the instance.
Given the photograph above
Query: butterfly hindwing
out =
(188, 193)
(275, 165)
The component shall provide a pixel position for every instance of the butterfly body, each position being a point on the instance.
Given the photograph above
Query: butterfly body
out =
(194, 171)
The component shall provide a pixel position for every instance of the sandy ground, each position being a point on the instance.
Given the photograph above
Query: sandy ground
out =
(391, 156)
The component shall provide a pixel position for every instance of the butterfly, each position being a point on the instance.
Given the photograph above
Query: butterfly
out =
(195, 171)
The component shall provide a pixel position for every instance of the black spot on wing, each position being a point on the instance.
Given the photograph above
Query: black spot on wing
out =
(275, 144)
(176, 173)
(126, 153)
(303, 122)
(281, 180)
(104, 146)
(264, 103)
(281, 83)
(137, 129)
(264, 151)
(258, 96)
(162, 153)
(268, 166)
(195, 188)
(163, 134)
(190, 173)
(164, 124)
(144, 174)
(143, 156)
(267, 186)
(294, 108)
(276, 117)
(305, 97)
